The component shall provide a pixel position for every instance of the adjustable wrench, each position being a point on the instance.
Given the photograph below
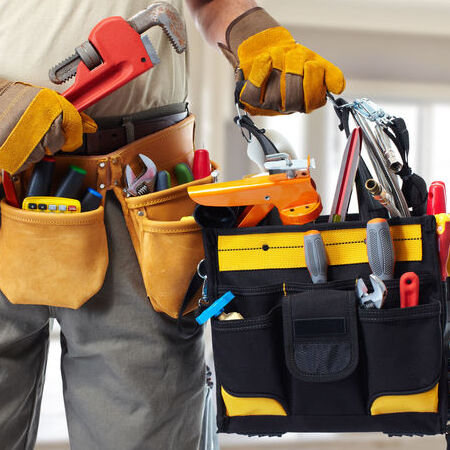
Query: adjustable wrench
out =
(143, 183)
(115, 53)
(374, 299)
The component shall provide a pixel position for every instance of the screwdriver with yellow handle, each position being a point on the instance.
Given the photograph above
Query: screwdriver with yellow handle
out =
(315, 256)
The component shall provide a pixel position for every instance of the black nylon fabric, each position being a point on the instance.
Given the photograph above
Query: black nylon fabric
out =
(413, 337)
(331, 354)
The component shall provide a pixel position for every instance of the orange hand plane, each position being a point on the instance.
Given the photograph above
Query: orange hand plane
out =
(288, 187)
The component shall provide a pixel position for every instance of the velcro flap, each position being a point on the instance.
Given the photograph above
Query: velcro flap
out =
(321, 335)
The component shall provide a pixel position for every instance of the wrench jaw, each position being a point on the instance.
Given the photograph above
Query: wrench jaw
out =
(374, 299)
(144, 183)
(160, 14)
(164, 15)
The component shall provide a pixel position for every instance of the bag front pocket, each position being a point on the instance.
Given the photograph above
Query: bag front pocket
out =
(168, 243)
(403, 351)
(52, 259)
(249, 363)
(322, 353)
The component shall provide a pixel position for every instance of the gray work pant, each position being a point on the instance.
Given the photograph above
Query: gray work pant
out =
(130, 382)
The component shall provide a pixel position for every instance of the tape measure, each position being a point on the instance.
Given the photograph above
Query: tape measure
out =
(52, 205)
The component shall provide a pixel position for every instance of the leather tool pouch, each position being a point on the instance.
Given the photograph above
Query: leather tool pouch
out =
(168, 247)
(52, 259)
(61, 260)
(307, 357)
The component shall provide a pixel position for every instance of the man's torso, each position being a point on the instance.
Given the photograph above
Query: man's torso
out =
(37, 34)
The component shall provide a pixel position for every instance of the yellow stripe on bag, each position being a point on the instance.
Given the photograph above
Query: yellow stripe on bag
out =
(251, 406)
(390, 404)
(285, 250)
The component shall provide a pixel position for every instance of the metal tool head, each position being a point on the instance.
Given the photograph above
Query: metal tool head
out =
(282, 162)
(158, 14)
(143, 183)
(164, 15)
(373, 299)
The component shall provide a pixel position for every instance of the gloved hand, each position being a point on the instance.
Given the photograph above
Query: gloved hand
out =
(280, 76)
(37, 121)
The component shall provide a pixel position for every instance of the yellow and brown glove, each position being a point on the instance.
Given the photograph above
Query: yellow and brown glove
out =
(36, 121)
(280, 76)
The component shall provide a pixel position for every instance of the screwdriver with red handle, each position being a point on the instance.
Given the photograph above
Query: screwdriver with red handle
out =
(443, 235)
(436, 203)
(409, 290)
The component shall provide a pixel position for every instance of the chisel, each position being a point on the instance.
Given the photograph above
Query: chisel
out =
(380, 248)
(315, 256)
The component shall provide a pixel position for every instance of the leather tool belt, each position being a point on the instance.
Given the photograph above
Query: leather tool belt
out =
(73, 248)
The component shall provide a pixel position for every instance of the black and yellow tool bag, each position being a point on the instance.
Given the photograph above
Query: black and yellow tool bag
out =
(307, 357)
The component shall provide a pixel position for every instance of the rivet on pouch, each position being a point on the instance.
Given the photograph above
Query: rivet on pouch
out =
(102, 164)
(102, 186)
(140, 213)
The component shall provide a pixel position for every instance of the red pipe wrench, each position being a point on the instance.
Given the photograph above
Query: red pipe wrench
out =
(115, 53)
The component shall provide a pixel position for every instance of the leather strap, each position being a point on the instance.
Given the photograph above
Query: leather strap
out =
(116, 132)
(167, 147)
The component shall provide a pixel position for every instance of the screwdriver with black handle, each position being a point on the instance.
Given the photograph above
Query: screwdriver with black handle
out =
(315, 256)
(380, 249)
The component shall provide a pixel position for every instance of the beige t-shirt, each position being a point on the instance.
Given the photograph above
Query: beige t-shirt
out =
(37, 34)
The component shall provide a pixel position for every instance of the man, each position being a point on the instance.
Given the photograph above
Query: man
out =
(130, 380)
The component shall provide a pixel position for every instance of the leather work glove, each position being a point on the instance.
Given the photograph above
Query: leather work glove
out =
(34, 122)
(280, 76)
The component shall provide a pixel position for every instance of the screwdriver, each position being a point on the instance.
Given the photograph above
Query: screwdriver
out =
(315, 256)
(443, 235)
(436, 203)
(409, 290)
(380, 248)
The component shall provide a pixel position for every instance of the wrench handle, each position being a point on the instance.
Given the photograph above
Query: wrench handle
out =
(315, 256)
(380, 249)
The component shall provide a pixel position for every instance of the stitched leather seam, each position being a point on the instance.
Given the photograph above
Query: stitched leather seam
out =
(66, 222)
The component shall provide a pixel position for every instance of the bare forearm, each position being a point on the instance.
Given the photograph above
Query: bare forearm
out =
(213, 16)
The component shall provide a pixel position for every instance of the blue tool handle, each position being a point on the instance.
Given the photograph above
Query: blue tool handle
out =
(215, 309)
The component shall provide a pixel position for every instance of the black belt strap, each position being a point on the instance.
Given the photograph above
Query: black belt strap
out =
(187, 327)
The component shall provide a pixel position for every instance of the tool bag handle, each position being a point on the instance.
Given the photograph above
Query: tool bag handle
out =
(414, 187)
(369, 208)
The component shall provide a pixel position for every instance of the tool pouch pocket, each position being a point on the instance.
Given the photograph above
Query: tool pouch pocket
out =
(168, 243)
(403, 355)
(51, 259)
(320, 335)
(309, 357)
